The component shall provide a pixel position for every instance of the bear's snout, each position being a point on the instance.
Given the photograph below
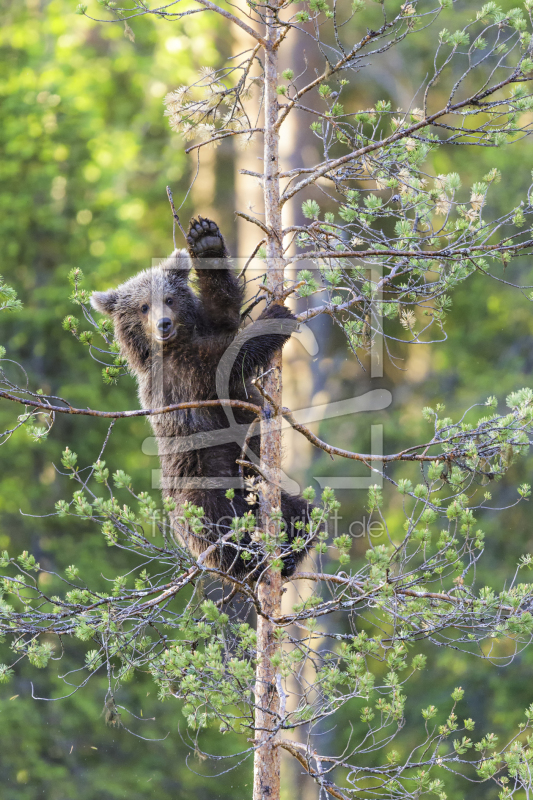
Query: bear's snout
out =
(164, 328)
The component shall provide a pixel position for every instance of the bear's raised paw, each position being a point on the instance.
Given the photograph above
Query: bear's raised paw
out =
(205, 240)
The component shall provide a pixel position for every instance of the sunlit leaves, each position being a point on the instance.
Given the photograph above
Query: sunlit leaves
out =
(8, 298)
(310, 209)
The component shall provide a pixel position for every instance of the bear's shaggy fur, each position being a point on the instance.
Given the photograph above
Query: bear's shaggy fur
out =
(186, 346)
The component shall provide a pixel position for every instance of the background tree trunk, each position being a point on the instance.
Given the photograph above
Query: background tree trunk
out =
(297, 148)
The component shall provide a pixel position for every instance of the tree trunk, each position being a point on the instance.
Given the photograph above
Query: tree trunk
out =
(267, 756)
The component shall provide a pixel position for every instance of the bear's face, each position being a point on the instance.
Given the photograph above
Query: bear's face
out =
(156, 306)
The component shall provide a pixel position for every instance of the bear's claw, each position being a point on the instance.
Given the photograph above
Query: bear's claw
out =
(205, 240)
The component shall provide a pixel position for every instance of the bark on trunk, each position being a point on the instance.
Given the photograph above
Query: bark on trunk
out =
(267, 755)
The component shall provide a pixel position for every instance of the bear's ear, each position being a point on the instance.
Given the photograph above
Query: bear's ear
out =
(105, 302)
(178, 265)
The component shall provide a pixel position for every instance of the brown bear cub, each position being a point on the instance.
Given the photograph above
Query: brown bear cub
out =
(186, 346)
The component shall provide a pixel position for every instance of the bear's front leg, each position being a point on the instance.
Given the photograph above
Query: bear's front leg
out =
(220, 291)
(256, 345)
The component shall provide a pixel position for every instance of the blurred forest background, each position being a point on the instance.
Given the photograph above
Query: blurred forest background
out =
(85, 156)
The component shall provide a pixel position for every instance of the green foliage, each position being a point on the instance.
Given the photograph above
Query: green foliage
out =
(310, 209)
(8, 298)
(417, 580)
(39, 654)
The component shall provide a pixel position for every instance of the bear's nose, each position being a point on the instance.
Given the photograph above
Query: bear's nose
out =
(164, 324)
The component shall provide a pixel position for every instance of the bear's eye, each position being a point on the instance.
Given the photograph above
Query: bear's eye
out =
(144, 308)
(169, 301)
